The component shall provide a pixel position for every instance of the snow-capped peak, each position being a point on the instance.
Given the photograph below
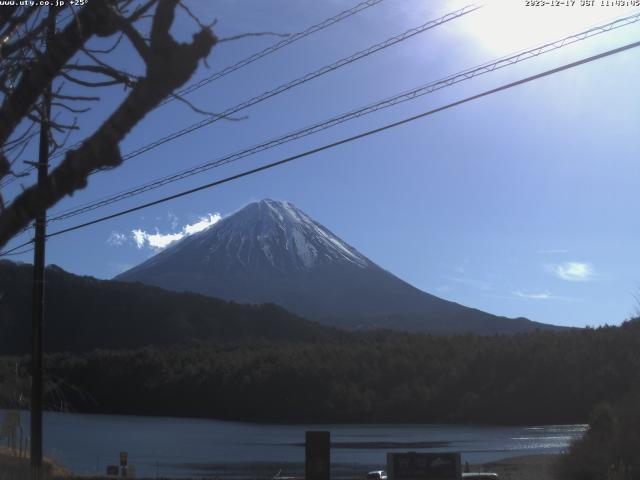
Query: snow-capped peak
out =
(259, 238)
(275, 225)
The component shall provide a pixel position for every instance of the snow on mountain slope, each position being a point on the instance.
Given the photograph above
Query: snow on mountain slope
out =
(262, 235)
(272, 252)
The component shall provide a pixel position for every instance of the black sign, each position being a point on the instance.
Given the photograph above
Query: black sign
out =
(113, 470)
(424, 466)
(317, 456)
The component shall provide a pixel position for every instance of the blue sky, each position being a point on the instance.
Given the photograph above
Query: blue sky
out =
(519, 204)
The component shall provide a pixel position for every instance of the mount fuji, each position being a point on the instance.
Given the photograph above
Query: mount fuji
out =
(272, 252)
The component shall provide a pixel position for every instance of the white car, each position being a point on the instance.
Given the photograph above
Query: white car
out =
(377, 475)
(479, 476)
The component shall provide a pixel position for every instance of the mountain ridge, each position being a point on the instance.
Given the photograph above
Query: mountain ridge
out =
(84, 313)
(272, 252)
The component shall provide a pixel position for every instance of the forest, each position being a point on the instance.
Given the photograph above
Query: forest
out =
(533, 378)
(84, 313)
(609, 449)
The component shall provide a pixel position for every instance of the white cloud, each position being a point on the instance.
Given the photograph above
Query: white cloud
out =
(116, 239)
(534, 296)
(139, 237)
(155, 240)
(205, 222)
(159, 241)
(572, 271)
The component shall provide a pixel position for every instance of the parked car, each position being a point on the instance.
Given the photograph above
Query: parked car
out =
(377, 475)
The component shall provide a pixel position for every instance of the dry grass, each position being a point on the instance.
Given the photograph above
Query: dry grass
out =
(14, 468)
(529, 467)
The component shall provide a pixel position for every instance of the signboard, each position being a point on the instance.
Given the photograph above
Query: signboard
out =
(317, 456)
(424, 466)
(123, 459)
(113, 470)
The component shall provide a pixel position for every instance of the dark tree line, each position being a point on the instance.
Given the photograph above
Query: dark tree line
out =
(535, 378)
(83, 313)
(611, 446)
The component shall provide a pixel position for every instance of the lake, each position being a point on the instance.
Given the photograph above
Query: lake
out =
(181, 447)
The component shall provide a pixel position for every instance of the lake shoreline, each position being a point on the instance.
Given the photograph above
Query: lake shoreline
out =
(295, 423)
(525, 467)
(181, 448)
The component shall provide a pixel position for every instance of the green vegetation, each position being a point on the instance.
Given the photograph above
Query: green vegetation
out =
(541, 377)
(611, 446)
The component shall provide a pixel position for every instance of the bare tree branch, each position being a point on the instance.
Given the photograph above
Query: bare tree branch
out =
(196, 19)
(25, 41)
(136, 39)
(169, 65)
(116, 75)
(11, 22)
(254, 34)
(105, 50)
(85, 83)
(205, 112)
(76, 98)
(66, 107)
(93, 19)
(141, 11)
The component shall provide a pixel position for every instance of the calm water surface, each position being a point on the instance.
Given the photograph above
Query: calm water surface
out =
(164, 446)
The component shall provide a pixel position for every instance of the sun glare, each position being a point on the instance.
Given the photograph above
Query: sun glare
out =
(503, 26)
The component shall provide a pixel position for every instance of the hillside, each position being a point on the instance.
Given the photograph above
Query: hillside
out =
(272, 252)
(83, 313)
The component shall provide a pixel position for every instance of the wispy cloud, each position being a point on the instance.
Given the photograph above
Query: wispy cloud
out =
(535, 296)
(116, 239)
(545, 295)
(552, 251)
(480, 284)
(173, 219)
(572, 271)
(160, 241)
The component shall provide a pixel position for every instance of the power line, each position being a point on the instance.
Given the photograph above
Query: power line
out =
(263, 53)
(350, 139)
(273, 48)
(13, 251)
(282, 88)
(302, 80)
(23, 252)
(342, 142)
(240, 64)
(386, 103)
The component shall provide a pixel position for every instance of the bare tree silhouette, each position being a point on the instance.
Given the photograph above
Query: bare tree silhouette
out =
(78, 72)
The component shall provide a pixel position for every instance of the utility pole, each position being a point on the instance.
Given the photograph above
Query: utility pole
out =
(38, 276)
